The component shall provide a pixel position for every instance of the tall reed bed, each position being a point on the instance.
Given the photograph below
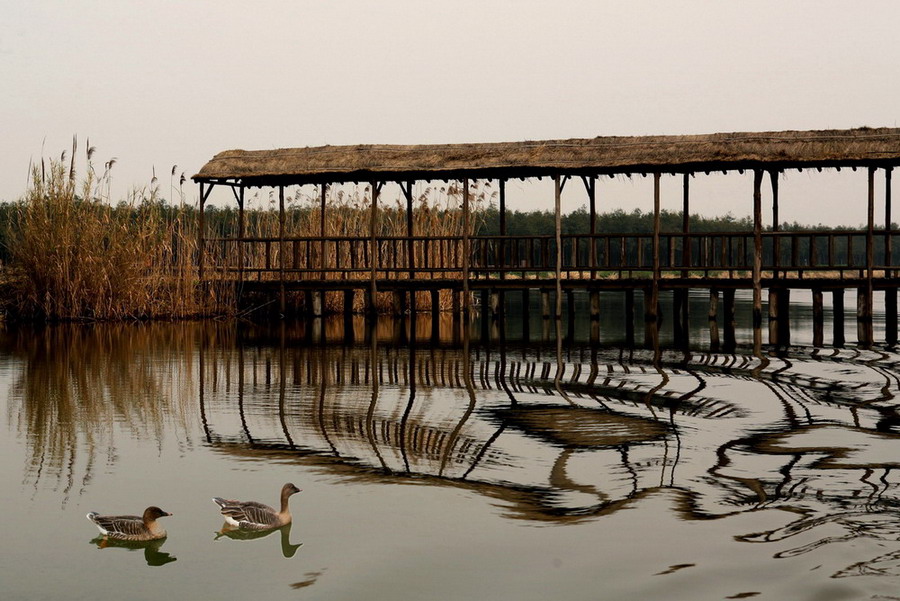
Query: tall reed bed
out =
(73, 256)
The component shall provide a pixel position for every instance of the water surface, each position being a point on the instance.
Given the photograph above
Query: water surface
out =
(442, 470)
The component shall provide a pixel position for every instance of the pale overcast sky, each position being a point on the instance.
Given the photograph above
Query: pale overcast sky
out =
(163, 83)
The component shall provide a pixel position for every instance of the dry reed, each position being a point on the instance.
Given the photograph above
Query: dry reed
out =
(75, 257)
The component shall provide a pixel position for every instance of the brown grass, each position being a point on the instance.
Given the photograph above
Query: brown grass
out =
(75, 257)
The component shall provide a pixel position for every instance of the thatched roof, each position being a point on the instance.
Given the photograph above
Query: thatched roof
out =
(602, 155)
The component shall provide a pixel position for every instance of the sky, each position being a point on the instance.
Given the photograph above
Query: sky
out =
(163, 84)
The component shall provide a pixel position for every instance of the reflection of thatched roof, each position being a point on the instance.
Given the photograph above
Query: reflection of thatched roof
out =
(578, 427)
(829, 148)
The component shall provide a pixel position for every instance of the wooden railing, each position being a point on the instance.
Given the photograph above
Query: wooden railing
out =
(720, 254)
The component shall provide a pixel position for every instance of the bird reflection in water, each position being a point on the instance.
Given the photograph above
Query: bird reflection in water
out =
(287, 549)
(152, 554)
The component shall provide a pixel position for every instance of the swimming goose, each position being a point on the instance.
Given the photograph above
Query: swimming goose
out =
(250, 515)
(131, 527)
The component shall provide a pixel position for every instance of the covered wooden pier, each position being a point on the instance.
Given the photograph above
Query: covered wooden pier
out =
(761, 259)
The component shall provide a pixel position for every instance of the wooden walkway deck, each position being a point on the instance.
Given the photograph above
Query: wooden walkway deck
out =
(757, 259)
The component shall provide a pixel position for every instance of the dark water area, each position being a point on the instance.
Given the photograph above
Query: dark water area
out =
(450, 468)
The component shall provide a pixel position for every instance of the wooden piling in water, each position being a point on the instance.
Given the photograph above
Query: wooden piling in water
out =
(890, 316)
(526, 315)
(712, 317)
(435, 314)
(595, 316)
(729, 319)
(863, 316)
(838, 317)
(818, 308)
(679, 316)
(629, 316)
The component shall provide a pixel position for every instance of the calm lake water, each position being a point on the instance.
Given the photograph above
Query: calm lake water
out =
(472, 469)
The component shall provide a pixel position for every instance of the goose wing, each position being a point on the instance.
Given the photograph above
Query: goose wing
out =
(248, 514)
(120, 526)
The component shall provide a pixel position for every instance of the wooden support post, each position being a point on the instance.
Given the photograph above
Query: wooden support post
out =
(502, 262)
(712, 318)
(242, 230)
(282, 294)
(888, 225)
(205, 191)
(558, 211)
(818, 308)
(686, 228)
(322, 260)
(654, 291)
(773, 176)
(410, 247)
(371, 309)
(838, 317)
(729, 320)
(595, 316)
(870, 258)
(757, 257)
(590, 184)
(467, 251)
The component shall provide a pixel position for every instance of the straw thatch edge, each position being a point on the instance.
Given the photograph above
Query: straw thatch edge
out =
(722, 151)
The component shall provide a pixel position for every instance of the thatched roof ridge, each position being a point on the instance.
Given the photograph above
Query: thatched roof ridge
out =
(601, 155)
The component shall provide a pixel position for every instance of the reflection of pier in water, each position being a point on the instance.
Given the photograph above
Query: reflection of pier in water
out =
(553, 440)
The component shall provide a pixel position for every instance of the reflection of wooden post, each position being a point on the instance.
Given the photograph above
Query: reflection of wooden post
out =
(818, 317)
(526, 314)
